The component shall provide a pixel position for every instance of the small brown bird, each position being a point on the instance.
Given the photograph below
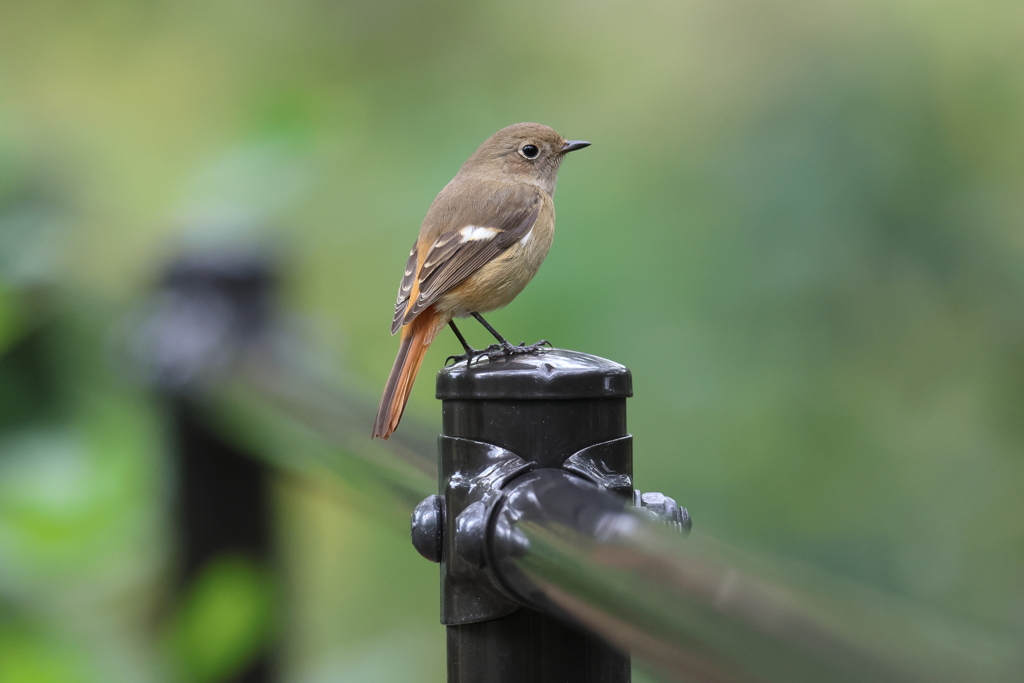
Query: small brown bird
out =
(482, 241)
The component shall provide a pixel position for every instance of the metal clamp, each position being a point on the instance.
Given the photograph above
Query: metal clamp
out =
(457, 528)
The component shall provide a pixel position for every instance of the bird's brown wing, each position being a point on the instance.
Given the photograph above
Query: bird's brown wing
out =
(458, 253)
(405, 289)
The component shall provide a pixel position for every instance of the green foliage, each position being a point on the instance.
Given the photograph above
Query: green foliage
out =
(799, 225)
(225, 617)
(28, 656)
(12, 317)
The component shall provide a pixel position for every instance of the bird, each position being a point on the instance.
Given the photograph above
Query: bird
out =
(482, 240)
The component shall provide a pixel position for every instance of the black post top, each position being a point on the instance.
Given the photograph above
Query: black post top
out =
(549, 374)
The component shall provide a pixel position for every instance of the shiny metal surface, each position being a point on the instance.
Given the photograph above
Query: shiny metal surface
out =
(700, 610)
(427, 528)
(473, 474)
(507, 423)
(551, 373)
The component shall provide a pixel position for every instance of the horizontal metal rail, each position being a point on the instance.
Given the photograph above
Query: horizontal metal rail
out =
(694, 609)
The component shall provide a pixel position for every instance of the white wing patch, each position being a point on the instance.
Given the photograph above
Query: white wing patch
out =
(526, 238)
(471, 233)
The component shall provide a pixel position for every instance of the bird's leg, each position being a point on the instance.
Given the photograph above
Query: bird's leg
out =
(471, 353)
(462, 340)
(505, 347)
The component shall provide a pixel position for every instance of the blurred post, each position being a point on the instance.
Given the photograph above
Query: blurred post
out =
(209, 309)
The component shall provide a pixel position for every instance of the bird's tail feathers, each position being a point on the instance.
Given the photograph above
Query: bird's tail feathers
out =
(416, 339)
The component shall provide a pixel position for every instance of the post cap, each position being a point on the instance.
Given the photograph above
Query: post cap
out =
(547, 374)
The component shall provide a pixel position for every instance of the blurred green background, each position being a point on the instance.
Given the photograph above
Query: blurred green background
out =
(801, 225)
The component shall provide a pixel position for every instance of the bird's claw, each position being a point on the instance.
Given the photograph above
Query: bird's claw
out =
(532, 348)
(473, 354)
(496, 351)
(510, 350)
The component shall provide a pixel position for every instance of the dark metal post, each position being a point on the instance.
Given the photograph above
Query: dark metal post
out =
(210, 309)
(560, 410)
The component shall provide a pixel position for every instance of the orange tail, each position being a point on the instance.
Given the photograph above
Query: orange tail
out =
(416, 338)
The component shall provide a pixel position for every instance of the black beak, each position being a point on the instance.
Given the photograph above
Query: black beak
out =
(573, 145)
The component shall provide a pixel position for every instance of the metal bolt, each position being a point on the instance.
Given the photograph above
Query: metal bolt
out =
(665, 509)
(428, 528)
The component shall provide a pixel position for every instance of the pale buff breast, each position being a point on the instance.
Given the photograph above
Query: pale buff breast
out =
(497, 283)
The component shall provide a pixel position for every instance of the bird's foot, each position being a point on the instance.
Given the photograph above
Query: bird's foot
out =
(523, 348)
(492, 351)
(496, 351)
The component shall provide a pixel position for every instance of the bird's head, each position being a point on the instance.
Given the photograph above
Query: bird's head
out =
(528, 152)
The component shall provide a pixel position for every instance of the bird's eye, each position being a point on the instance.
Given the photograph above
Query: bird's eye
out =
(529, 151)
